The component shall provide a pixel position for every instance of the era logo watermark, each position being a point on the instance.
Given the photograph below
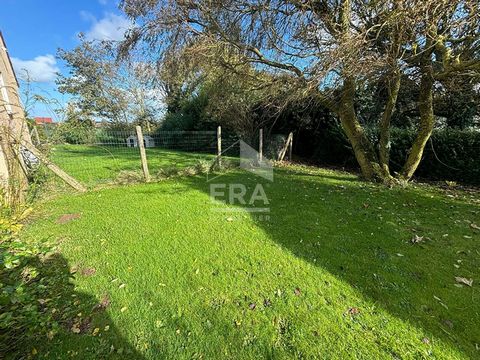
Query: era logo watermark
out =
(236, 194)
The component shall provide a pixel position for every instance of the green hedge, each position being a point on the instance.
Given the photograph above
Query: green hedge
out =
(449, 155)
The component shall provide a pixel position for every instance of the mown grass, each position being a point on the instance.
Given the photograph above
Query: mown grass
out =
(95, 164)
(332, 274)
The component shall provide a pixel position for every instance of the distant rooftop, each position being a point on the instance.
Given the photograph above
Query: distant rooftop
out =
(43, 120)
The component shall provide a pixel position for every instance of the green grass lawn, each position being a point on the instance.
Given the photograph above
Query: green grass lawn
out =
(95, 164)
(332, 274)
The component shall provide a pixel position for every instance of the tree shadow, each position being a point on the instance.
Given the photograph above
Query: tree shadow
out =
(55, 321)
(361, 233)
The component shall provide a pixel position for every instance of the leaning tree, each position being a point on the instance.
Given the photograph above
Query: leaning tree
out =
(330, 48)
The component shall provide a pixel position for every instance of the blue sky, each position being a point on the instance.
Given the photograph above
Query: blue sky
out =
(35, 29)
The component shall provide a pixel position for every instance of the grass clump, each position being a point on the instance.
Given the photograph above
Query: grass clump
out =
(126, 177)
(168, 172)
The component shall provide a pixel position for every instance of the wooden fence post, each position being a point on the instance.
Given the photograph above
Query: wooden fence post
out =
(287, 146)
(291, 147)
(59, 172)
(219, 146)
(143, 154)
(260, 145)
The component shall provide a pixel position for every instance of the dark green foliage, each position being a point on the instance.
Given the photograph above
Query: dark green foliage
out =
(75, 131)
(26, 297)
(449, 155)
(178, 121)
(190, 114)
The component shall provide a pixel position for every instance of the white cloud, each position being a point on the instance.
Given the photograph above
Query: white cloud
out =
(41, 69)
(110, 27)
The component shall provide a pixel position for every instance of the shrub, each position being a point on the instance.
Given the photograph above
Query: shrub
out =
(449, 155)
(74, 133)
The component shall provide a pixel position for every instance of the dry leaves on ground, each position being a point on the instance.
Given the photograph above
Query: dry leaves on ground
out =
(67, 218)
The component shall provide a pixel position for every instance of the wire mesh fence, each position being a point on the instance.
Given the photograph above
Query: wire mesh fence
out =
(106, 156)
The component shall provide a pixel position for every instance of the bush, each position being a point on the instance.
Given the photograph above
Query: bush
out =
(72, 132)
(449, 155)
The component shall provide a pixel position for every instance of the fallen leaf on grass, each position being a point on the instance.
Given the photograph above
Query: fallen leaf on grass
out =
(474, 226)
(426, 340)
(122, 286)
(252, 306)
(104, 303)
(353, 311)
(123, 309)
(88, 271)
(464, 281)
(416, 239)
(75, 329)
(67, 217)
(297, 291)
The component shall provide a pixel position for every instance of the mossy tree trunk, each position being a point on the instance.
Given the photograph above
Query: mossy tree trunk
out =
(362, 147)
(427, 122)
(384, 144)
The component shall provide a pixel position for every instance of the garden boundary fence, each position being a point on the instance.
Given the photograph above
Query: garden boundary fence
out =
(106, 156)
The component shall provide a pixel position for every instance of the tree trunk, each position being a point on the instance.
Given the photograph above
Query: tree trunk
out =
(427, 120)
(384, 137)
(362, 147)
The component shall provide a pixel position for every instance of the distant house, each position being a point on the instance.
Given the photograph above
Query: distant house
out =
(148, 141)
(43, 120)
(100, 124)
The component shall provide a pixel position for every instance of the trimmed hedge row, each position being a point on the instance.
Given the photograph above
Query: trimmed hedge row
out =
(449, 155)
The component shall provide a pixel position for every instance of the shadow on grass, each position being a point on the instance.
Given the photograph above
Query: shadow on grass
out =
(361, 234)
(54, 321)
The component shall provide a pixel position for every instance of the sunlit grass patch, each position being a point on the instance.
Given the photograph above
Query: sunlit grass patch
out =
(333, 273)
